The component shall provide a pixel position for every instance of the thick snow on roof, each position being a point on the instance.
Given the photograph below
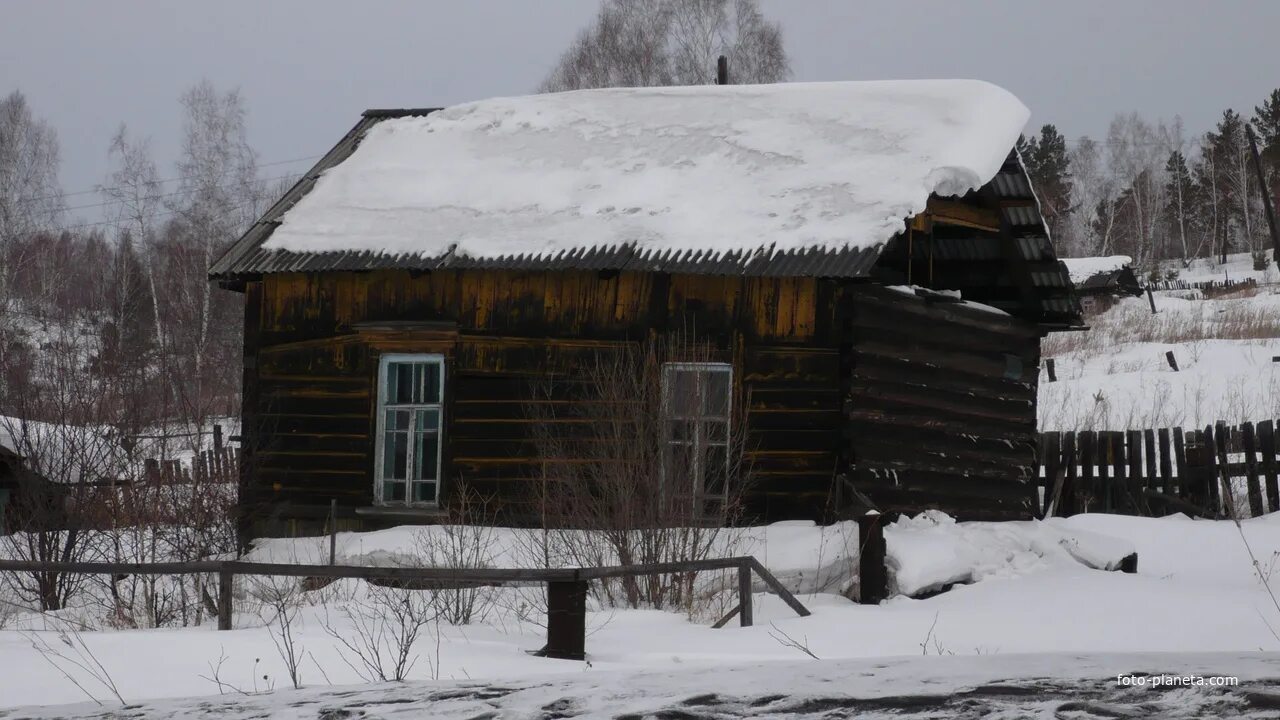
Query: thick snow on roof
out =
(1082, 269)
(715, 168)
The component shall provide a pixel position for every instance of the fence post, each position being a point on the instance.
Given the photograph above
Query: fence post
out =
(333, 531)
(225, 611)
(566, 619)
(873, 577)
(745, 616)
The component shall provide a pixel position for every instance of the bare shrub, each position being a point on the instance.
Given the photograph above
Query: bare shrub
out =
(282, 598)
(467, 541)
(73, 659)
(383, 629)
(645, 466)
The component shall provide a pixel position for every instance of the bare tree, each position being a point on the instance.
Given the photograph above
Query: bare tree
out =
(30, 197)
(134, 190)
(218, 196)
(59, 423)
(626, 480)
(646, 43)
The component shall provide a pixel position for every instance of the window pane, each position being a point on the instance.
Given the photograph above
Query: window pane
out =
(431, 381)
(426, 451)
(715, 469)
(682, 393)
(404, 388)
(715, 387)
(424, 492)
(395, 448)
(427, 420)
(715, 431)
(393, 492)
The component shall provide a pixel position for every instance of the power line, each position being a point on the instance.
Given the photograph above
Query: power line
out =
(156, 197)
(165, 180)
(167, 213)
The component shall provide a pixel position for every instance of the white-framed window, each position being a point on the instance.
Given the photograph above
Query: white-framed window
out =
(407, 452)
(697, 402)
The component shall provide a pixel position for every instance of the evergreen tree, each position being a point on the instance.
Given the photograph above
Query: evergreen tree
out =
(1180, 194)
(1049, 168)
(1266, 122)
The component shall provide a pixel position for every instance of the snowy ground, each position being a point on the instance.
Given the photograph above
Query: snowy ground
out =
(1196, 606)
(1008, 686)
(1116, 377)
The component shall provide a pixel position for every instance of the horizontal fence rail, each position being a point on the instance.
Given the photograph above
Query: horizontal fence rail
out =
(1160, 470)
(566, 587)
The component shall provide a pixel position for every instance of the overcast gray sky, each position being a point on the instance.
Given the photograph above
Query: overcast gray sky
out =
(307, 69)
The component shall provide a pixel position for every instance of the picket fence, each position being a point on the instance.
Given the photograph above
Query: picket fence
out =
(1161, 470)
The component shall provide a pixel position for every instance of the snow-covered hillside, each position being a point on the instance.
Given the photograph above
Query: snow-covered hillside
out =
(1116, 376)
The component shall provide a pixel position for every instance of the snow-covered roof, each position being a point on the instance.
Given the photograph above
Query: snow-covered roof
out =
(1081, 269)
(706, 168)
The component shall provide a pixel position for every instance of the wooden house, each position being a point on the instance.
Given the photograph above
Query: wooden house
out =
(867, 261)
(1100, 281)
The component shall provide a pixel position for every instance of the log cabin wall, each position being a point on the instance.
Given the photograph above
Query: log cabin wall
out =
(313, 342)
(942, 406)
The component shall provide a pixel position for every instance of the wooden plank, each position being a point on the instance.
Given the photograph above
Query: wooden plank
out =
(1071, 485)
(1131, 491)
(1180, 463)
(1267, 448)
(1221, 446)
(1249, 446)
(1051, 464)
(1088, 484)
(1117, 498)
(1166, 466)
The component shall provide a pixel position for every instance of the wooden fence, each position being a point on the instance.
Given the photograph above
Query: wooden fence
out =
(1210, 288)
(218, 465)
(566, 587)
(1154, 471)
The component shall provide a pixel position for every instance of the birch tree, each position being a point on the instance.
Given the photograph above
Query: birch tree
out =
(218, 195)
(31, 199)
(646, 43)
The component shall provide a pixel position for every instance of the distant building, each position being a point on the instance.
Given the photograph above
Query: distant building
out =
(866, 260)
(1100, 281)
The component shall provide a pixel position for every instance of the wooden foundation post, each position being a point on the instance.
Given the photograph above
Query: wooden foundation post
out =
(873, 577)
(566, 619)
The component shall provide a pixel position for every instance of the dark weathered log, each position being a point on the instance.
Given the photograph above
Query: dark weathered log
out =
(746, 615)
(1180, 461)
(1166, 464)
(566, 620)
(1071, 485)
(873, 576)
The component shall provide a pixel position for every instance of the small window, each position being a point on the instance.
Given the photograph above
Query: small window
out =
(410, 388)
(697, 401)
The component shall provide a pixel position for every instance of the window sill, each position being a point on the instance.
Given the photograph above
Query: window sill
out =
(405, 511)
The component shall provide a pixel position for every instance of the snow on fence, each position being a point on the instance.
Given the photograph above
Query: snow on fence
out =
(1140, 472)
